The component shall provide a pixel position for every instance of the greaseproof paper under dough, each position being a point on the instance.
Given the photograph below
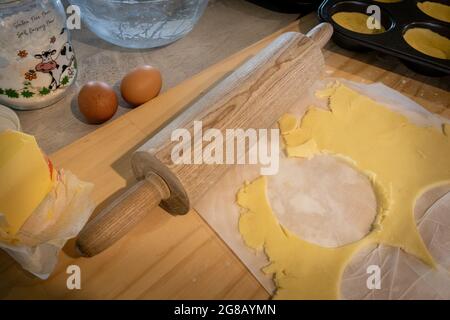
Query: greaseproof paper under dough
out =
(401, 159)
(306, 200)
(405, 277)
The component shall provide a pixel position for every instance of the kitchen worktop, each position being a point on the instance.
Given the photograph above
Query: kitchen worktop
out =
(226, 27)
(167, 257)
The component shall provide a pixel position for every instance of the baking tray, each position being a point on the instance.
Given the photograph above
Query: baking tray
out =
(396, 19)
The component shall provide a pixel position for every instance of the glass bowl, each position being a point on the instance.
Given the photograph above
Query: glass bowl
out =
(140, 23)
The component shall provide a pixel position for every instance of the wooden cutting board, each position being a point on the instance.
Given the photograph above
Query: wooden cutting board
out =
(168, 257)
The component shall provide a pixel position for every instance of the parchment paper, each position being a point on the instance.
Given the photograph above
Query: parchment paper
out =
(326, 202)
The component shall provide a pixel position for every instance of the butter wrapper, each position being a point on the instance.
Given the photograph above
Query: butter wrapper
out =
(58, 218)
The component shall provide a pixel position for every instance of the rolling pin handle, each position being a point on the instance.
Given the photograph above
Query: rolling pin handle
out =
(321, 33)
(117, 219)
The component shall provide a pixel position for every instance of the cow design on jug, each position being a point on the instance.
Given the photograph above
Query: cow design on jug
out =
(55, 63)
(37, 62)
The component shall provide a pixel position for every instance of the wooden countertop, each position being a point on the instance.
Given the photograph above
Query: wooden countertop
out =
(235, 24)
(169, 257)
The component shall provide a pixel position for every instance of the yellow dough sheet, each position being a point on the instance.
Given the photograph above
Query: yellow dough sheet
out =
(312, 200)
(401, 159)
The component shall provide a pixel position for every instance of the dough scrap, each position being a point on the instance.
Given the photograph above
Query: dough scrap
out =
(401, 159)
(356, 22)
(428, 42)
(435, 10)
(287, 123)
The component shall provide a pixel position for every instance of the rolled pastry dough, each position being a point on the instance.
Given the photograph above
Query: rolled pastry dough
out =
(435, 10)
(428, 42)
(355, 21)
(401, 159)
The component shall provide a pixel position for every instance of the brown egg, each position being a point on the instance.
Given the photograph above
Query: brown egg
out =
(140, 85)
(97, 101)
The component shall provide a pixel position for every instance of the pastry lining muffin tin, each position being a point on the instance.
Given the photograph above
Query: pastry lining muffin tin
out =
(396, 18)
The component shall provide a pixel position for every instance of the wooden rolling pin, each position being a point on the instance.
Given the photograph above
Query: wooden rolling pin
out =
(253, 96)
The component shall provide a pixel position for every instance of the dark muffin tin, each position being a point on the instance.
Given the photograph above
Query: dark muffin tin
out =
(396, 18)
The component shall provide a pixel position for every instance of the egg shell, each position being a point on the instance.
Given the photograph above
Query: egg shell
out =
(97, 101)
(141, 85)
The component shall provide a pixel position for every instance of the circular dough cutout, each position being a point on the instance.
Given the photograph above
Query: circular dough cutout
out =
(356, 22)
(336, 209)
(435, 10)
(428, 42)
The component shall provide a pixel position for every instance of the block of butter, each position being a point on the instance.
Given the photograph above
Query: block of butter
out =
(25, 179)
